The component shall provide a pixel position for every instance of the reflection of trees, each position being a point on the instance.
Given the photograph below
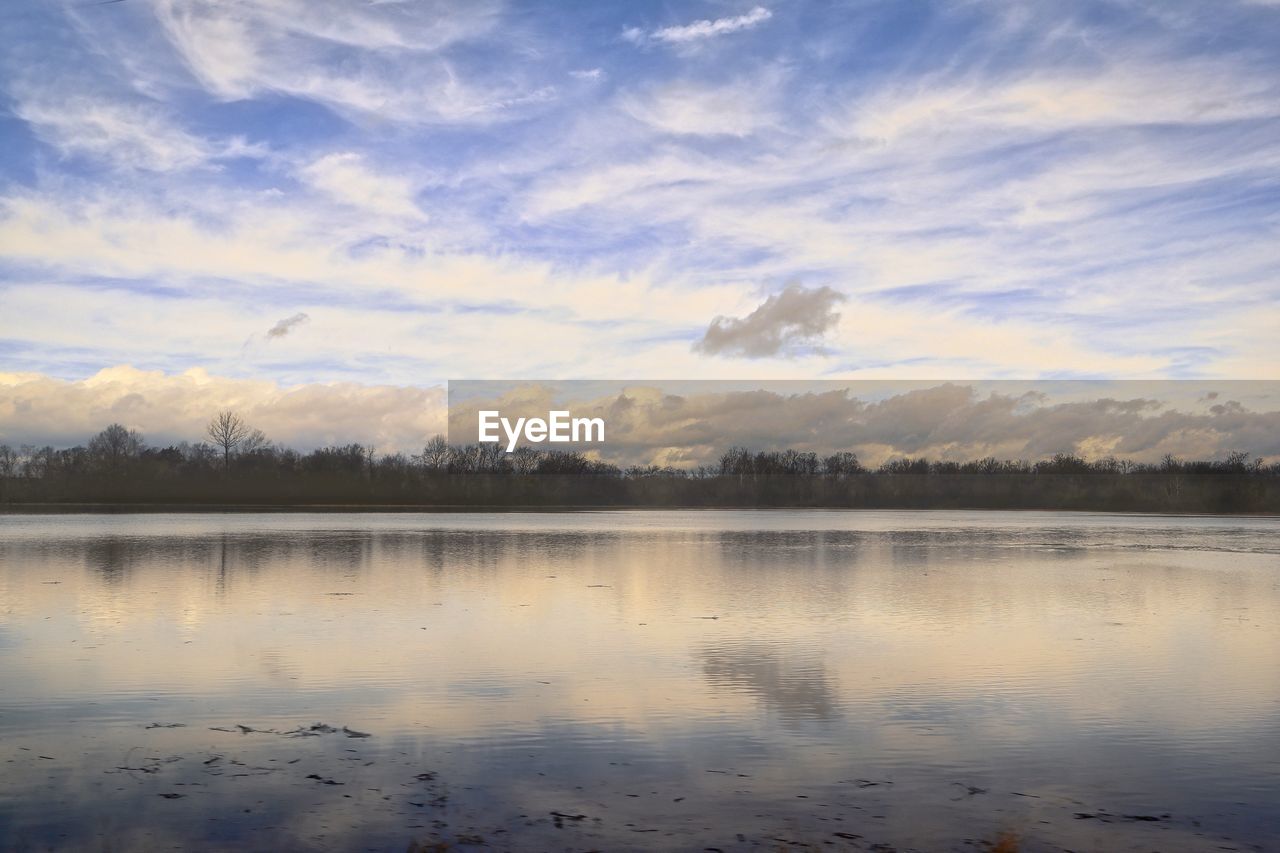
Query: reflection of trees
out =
(798, 689)
(113, 558)
(799, 549)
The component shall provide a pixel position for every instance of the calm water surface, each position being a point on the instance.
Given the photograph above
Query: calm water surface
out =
(639, 680)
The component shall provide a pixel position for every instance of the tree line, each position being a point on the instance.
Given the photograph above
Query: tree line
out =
(235, 464)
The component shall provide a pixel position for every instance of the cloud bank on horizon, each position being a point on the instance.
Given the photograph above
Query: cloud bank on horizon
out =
(682, 423)
(719, 189)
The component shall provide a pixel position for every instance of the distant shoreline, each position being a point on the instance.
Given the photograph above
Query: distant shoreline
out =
(54, 508)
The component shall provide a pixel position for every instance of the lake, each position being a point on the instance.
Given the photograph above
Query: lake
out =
(639, 681)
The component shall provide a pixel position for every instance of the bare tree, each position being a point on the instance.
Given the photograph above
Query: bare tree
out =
(525, 460)
(8, 461)
(114, 447)
(436, 454)
(227, 430)
(255, 441)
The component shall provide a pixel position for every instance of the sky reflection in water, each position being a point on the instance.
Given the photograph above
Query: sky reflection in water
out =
(681, 680)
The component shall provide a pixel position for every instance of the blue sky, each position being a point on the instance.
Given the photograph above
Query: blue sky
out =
(856, 190)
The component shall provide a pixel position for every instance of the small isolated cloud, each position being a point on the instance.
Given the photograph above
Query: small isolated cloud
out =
(795, 317)
(287, 325)
(699, 30)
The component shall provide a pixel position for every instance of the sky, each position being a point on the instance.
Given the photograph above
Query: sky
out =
(688, 423)
(224, 202)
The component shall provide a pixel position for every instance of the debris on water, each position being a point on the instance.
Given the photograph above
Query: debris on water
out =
(166, 726)
(970, 790)
(850, 836)
(354, 733)
(1105, 817)
(47, 757)
(427, 847)
(560, 817)
(243, 729)
(323, 781)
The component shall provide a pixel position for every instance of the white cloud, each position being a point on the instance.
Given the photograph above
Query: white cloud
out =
(345, 177)
(700, 30)
(384, 60)
(176, 407)
(613, 182)
(696, 109)
(123, 135)
(1097, 207)
(1127, 94)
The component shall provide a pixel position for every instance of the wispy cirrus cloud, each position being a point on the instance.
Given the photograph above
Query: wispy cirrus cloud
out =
(996, 191)
(390, 61)
(684, 108)
(129, 135)
(699, 30)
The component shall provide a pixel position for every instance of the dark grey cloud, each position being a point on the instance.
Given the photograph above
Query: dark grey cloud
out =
(794, 318)
(287, 325)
